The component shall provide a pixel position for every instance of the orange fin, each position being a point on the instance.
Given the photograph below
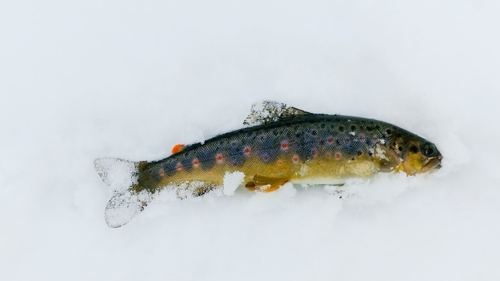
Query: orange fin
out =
(265, 184)
(178, 148)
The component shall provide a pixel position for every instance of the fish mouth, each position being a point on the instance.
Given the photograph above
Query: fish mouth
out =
(433, 163)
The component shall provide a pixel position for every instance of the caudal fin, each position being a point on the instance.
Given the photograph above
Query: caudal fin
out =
(122, 177)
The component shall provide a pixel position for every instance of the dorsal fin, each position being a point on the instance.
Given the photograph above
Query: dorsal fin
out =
(270, 111)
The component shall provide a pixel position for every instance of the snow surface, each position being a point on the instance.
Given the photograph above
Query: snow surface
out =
(81, 80)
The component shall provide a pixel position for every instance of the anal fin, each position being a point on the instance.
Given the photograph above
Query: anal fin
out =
(265, 184)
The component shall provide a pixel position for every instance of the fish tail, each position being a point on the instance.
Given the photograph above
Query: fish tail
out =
(130, 192)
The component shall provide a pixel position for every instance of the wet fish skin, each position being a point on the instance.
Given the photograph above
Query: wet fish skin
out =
(283, 144)
(330, 147)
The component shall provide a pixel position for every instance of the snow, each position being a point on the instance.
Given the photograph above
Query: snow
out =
(91, 79)
(232, 181)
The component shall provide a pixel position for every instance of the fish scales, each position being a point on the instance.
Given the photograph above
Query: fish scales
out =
(279, 149)
(287, 144)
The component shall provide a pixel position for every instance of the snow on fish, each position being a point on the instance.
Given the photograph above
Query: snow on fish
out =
(280, 144)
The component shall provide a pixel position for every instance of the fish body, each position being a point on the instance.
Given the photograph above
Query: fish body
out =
(286, 144)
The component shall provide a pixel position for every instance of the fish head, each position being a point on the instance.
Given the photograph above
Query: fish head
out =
(419, 156)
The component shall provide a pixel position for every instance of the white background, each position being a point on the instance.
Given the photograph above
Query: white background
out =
(88, 79)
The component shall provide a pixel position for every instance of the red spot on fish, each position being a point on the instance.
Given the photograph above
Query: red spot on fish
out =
(280, 163)
(330, 140)
(284, 145)
(295, 159)
(361, 137)
(266, 157)
(328, 155)
(346, 140)
(314, 152)
(179, 166)
(375, 138)
(219, 158)
(161, 172)
(338, 156)
(247, 151)
(196, 163)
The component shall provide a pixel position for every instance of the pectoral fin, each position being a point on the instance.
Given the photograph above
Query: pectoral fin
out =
(385, 158)
(265, 184)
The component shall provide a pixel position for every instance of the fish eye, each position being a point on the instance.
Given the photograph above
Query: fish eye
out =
(429, 150)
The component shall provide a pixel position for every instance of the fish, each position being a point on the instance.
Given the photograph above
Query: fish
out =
(279, 144)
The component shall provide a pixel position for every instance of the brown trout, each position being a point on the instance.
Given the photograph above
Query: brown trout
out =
(280, 144)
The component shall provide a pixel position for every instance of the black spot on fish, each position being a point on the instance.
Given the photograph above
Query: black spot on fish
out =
(398, 135)
(341, 128)
(413, 149)
(400, 148)
(353, 128)
(388, 132)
